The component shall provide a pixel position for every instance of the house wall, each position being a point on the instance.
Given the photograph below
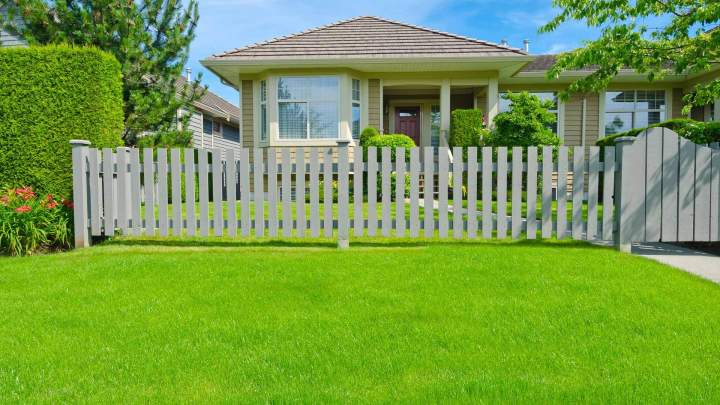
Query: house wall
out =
(247, 119)
(375, 108)
(7, 39)
(574, 122)
(677, 96)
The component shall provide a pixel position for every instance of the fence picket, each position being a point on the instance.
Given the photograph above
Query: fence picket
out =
(386, 192)
(562, 175)
(149, 185)
(343, 217)
(703, 175)
(414, 192)
(593, 184)
(177, 203)
(547, 173)
(259, 191)
(314, 194)
(190, 220)
(400, 192)
(372, 190)
(457, 192)
(135, 190)
(217, 187)
(487, 177)
(443, 173)
(531, 198)
(123, 190)
(286, 193)
(501, 192)
(715, 197)
(231, 193)
(328, 192)
(577, 191)
(204, 191)
(686, 191)
(517, 177)
(301, 223)
(94, 189)
(272, 192)
(244, 180)
(358, 171)
(162, 196)
(108, 192)
(472, 171)
(608, 191)
(653, 189)
(669, 203)
(428, 190)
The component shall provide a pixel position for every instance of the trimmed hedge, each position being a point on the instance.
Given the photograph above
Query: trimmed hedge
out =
(48, 96)
(696, 131)
(467, 128)
(368, 133)
(391, 141)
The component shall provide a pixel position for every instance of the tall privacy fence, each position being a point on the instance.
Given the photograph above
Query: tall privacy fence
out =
(657, 186)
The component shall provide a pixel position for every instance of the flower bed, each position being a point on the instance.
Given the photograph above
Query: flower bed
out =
(30, 223)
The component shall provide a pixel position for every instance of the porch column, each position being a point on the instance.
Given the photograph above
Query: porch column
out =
(492, 100)
(716, 110)
(444, 112)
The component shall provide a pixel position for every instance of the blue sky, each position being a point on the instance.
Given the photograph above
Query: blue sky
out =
(228, 24)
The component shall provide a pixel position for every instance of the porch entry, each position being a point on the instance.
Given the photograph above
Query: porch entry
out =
(407, 122)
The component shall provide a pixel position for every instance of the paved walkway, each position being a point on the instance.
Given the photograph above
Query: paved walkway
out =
(702, 264)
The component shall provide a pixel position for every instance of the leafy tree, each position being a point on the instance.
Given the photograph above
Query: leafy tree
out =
(653, 37)
(150, 39)
(526, 124)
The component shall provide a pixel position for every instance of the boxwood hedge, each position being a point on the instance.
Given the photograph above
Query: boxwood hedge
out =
(48, 96)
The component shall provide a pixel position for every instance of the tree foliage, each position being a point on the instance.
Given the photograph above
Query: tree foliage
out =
(150, 39)
(652, 37)
(527, 123)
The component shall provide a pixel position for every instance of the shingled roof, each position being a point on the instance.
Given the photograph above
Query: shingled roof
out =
(369, 37)
(211, 102)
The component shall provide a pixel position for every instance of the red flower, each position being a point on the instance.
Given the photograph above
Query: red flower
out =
(52, 204)
(23, 209)
(68, 204)
(25, 193)
(4, 199)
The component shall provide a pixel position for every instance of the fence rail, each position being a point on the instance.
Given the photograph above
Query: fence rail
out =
(567, 192)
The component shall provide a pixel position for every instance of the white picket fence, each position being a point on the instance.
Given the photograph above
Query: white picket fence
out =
(480, 196)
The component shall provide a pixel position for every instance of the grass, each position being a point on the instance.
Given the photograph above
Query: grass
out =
(220, 320)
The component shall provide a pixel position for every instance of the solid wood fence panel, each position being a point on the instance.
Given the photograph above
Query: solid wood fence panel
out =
(314, 193)
(703, 175)
(443, 172)
(162, 196)
(343, 217)
(94, 189)
(532, 171)
(653, 188)
(577, 191)
(177, 203)
(108, 191)
(358, 172)
(272, 193)
(562, 192)
(414, 192)
(372, 190)
(502, 192)
(516, 197)
(487, 175)
(204, 192)
(399, 192)
(593, 188)
(300, 192)
(286, 193)
(472, 181)
(246, 222)
(217, 182)
(191, 222)
(457, 192)
(686, 190)
(386, 191)
(670, 172)
(123, 190)
(608, 190)
(231, 197)
(259, 191)
(715, 197)
(149, 185)
(547, 171)
(428, 190)
(328, 191)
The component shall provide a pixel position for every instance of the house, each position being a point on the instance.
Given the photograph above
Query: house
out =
(328, 83)
(7, 38)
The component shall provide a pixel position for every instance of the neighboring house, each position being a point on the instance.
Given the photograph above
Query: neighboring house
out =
(214, 123)
(8, 39)
(329, 83)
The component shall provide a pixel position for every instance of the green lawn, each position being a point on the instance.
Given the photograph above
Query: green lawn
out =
(259, 321)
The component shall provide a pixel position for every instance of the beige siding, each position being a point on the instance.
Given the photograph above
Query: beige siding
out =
(374, 107)
(248, 123)
(574, 118)
(677, 103)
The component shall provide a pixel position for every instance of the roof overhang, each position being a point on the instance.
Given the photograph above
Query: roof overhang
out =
(624, 76)
(230, 69)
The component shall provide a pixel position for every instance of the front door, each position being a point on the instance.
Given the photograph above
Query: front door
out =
(407, 121)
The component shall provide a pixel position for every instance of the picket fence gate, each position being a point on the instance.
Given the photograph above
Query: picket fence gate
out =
(479, 193)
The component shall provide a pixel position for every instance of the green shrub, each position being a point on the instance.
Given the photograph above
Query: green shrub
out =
(467, 128)
(696, 131)
(368, 133)
(48, 96)
(391, 141)
(166, 139)
(29, 223)
(526, 124)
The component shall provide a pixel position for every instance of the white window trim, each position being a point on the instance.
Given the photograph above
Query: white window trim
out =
(603, 109)
(278, 100)
(260, 119)
(359, 103)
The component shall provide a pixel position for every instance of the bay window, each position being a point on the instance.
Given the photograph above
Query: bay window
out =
(628, 109)
(263, 111)
(308, 107)
(355, 109)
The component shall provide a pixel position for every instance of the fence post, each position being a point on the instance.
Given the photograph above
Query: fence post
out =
(343, 195)
(623, 194)
(80, 192)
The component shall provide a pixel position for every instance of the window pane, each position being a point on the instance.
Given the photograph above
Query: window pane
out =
(293, 120)
(207, 125)
(263, 90)
(356, 120)
(230, 133)
(263, 122)
(323, 119)
(647, 118)
(356, 90)
(650, 100)
(617, 122)
(504, 104)
(435, 126)
(620, 100)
